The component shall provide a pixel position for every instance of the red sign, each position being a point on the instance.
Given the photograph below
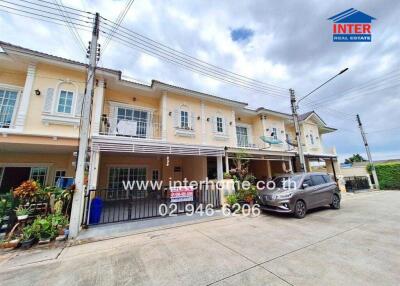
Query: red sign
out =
(181, 194)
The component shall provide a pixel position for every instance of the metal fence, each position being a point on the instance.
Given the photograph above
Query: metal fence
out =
(118, 205)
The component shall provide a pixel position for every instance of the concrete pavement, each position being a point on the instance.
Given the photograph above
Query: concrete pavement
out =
(357, 245)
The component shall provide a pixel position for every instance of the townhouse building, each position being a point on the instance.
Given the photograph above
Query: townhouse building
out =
(139, 132)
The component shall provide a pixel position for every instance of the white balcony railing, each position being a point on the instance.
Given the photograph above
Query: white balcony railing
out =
(131, 128)
(246, 141)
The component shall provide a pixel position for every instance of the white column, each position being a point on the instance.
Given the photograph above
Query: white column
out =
(25, 98)
(269, 169)
(233, 118)
(164, 116)
(220, 171)
(94, 166)
(226, 163)
(290, 165)
(98, 103)
(203, 124)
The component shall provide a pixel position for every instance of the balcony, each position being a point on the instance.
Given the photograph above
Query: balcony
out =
(141, 129)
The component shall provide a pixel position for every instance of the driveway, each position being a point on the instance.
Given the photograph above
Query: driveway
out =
(357, 245)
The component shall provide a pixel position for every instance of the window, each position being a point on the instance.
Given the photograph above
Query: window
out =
(59, 174)
(139, 116)
(7, 105)
(184, 119)
(1, 174)
(242, 137)
(317, 180)
(327, 178)
(220, 128)
(274, 134)
(117, 175)
(39, 174)
(65, 102)
(308, 182)
(155, 175)
(311, 138)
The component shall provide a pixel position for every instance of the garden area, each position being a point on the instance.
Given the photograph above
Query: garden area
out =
(240, 174)
(31, 214)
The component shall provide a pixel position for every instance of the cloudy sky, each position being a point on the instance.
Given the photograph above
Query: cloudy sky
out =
(285, 43)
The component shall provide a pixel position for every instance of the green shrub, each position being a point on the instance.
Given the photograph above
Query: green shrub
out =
(388, 175)
(231, 199)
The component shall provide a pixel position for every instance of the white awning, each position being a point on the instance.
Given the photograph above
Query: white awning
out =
(140, 145)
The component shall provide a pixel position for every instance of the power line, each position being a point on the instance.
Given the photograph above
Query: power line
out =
(36, 9)
(71, 26)
(119, 20)
(134, 36)
(384, 130)
(188, 67)
(41, 15)
(364, 88)
(80, 14)
(43, 20)
(69, 8)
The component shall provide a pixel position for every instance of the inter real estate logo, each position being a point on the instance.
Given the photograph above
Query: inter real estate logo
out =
(352, 26)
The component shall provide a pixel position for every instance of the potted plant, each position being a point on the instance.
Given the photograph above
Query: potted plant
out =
(22, 213)
(232, 201)
(45, 230)
(28, 236)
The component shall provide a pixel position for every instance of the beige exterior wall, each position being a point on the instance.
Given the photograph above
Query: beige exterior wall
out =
(308, 128)
(191, 167)
(53, 162)
(358, 169)
(52, 77)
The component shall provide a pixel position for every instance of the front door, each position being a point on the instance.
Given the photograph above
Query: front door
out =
(13, 177)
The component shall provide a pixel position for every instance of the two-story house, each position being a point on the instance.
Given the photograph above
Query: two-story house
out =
(138, 132)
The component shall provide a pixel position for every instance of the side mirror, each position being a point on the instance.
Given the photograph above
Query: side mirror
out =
(305, 186)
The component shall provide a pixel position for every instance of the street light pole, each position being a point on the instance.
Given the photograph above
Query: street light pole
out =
(297, 130)
(364, 137)
(80, 185)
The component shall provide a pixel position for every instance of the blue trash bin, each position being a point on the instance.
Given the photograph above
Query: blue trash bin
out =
(96, 207)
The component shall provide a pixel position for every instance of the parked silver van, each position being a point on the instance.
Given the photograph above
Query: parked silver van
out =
(299, 192)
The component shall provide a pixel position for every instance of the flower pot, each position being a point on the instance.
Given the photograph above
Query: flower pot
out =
(25, 244)
(22, 217)
(61, 231)
(10, 244)
(44, 240)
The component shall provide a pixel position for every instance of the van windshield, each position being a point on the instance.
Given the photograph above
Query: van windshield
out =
(287, 182)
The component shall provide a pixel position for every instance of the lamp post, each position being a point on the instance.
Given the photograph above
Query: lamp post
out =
(295, 107)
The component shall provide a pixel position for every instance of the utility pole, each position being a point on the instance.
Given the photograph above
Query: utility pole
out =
(80, 184)
(368, 152)
(297, 129)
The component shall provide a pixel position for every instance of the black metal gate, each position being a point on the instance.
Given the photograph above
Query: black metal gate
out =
(108, 205)
(356, 183)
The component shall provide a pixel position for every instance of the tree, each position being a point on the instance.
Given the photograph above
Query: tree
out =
(355, 158)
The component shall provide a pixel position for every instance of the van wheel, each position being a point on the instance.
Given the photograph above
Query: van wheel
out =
(335, 202)
(300, 209)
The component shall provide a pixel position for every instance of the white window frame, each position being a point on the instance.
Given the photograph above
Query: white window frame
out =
(249, 134)
(55, 175)
(40, 167)
(113, 116)
(73, 103)
(17, 89)
(181, 121)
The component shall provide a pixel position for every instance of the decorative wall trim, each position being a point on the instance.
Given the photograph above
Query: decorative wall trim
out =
(25, 98)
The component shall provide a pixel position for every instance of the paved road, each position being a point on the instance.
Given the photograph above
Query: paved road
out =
(357, 245)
